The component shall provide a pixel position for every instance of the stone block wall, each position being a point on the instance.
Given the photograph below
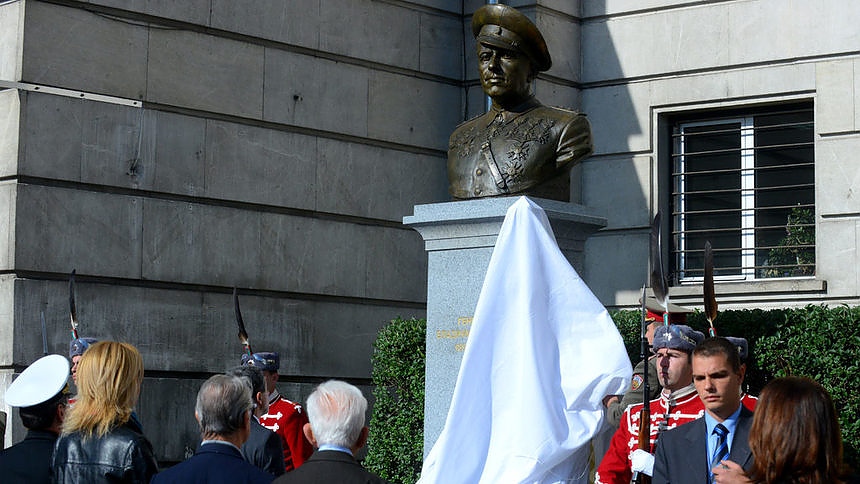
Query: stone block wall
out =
(645, 59)
(170, 151)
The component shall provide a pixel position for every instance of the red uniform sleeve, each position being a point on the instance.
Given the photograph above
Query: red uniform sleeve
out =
(297, 449)
(749, 401)
(615, 466)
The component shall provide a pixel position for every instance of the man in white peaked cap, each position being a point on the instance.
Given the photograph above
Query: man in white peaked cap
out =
(41, 395)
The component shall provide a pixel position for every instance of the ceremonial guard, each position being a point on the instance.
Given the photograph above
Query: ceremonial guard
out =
(285, 418)
(677, 404)
(616, 404)
(79, 344)
(76, 350)
(41, 393)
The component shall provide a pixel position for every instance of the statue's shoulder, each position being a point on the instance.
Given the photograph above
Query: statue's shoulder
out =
(570, 118)
(561, 110)
(465, 132)
(469, 122)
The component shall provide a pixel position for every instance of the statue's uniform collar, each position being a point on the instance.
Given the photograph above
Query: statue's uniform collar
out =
(505, 115)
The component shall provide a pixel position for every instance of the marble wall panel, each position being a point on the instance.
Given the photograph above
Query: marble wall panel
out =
(199, 71)
(76, 49)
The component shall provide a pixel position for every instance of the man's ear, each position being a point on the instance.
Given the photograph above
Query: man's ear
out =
(742, 371)
(309, 434)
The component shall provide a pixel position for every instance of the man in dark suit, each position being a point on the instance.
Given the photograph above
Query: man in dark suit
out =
(336, 428)
(263, 448)
(697, 451)
(42, 395)
(223, 412)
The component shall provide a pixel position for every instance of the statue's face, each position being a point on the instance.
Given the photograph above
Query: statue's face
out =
(505, 75)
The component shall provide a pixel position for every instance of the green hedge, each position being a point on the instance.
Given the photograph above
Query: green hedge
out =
(816, 341)
(396, 441)
(823, 344)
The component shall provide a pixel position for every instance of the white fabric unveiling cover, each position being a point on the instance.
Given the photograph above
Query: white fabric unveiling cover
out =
(541, 355)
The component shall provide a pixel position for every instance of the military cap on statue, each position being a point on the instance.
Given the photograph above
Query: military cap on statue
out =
(504, 27)
(677, 337)
(43, 380)
(654, 311)
(742, 346)
(265, 360)
(79, 345)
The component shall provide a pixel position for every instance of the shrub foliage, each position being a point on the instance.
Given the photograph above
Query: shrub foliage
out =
(396, 441)
(823, 344)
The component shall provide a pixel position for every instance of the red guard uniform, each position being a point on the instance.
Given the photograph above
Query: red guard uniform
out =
(749, 401)
(666, 413)
(286, 419)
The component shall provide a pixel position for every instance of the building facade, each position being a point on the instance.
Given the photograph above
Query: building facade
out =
(170, 151)
(737, 120)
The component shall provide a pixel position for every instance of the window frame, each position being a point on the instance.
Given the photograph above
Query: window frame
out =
(741, 113)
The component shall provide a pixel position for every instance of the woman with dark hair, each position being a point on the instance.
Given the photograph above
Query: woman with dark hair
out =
(794, 438)
(101, 441)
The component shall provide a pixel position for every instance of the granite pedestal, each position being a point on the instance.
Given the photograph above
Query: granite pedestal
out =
(459, 238)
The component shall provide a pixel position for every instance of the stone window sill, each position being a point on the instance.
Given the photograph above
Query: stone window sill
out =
(746, 292)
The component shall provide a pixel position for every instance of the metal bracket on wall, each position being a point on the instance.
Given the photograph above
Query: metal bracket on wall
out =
(56, 91)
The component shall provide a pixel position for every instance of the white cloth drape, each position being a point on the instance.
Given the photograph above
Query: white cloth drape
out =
(541, 354)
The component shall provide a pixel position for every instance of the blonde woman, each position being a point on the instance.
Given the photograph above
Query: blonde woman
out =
(101, 442)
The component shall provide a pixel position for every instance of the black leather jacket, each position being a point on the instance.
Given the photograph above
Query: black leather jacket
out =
(122, 455)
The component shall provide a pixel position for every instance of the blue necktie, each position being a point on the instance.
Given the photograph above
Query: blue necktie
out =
(721, 452)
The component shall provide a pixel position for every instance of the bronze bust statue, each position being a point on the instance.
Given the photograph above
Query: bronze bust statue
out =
(520, 145)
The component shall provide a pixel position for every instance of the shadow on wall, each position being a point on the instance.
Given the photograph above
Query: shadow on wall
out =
(617, 178)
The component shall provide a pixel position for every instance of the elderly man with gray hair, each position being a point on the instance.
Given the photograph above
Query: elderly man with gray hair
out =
(223, 412)
(336, 412)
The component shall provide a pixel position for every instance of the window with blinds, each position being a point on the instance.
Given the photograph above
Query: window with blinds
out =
(745, 183)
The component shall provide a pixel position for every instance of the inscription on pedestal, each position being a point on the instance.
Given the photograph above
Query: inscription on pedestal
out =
(459, 334)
